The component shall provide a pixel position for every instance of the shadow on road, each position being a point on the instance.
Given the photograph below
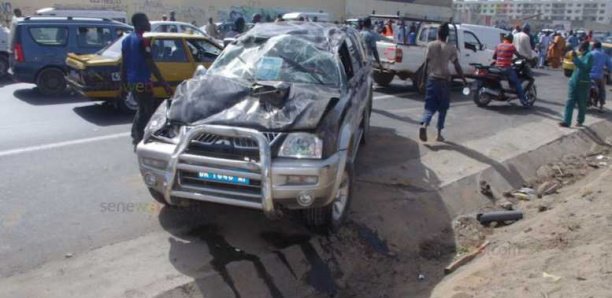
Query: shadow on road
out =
(515, 109)
(395, 232)
(32, 97)
(103, 115)
(6, 81)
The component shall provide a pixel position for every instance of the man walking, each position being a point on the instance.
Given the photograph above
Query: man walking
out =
(543, 48)
(437, 94)
(370, 38)
(600, 61)
(579, 85)
(136, 71)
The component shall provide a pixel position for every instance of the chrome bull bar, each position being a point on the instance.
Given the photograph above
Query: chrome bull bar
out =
(264, 165)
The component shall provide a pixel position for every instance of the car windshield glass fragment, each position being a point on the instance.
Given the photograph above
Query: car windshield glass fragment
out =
(281, 58)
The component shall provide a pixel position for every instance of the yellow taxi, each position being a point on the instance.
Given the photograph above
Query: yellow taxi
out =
(177, 55)
(568, 63)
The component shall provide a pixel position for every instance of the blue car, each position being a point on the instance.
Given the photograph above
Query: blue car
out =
(39, 47)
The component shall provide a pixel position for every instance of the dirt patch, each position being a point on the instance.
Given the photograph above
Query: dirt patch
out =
(562, 248)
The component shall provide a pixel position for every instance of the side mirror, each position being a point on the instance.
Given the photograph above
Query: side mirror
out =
(483, 47)
(200, 71)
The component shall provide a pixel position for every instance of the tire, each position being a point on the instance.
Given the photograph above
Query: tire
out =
(127, 104)
(383, 78)
(417, 81)
(482, 99)
(568, 72)
(51, 81)
(532, 95)
(4, 66)
(332, 217)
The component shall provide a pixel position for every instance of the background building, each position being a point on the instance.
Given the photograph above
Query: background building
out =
(200, 11)
(574, 13)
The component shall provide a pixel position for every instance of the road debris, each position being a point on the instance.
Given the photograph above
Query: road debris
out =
(499, 216)
(506, 205)
(465, 259)
(68, 255)
(552, 277)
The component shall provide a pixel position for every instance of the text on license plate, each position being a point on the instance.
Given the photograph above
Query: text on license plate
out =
(223, 178)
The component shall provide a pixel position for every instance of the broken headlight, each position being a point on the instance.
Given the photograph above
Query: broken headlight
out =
(157, 121)
(302, 145)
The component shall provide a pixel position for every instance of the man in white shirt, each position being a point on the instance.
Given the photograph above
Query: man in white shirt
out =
(522, 43)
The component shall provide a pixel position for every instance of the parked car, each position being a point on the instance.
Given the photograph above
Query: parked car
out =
(177, 56)
(274, 124)
(568, 63)
(176, 27)
(406, 61)
(39, 47)
(120, 16)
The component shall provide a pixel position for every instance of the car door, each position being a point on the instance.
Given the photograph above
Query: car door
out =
(172, 60)
(471, 50)
(202, 52)
(355, 93)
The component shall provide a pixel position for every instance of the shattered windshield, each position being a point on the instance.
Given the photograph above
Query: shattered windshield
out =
(281, 58)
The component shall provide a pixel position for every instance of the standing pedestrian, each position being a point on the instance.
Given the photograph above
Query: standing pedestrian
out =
(211, 29)
(238, 28)
(370, 38)
(437, 95)
(164, 18)
(600, 61)
(556, 51)
(543, 48)
(572, 40)
(172, 16)
(579, 85)
(136, 71)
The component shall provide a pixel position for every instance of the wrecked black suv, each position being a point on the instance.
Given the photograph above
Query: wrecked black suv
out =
(274, 125)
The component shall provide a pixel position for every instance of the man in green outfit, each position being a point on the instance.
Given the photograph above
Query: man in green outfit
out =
(579, 85)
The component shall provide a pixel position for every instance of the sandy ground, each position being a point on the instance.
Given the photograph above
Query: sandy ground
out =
(562, 247)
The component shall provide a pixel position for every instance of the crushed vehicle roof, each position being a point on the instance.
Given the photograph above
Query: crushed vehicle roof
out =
(325, 36)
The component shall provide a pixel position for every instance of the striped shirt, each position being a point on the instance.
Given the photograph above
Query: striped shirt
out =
(504, 53)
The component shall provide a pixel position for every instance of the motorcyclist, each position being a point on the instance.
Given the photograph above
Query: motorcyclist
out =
(503, 56)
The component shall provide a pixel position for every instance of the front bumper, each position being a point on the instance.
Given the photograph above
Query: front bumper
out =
(161, 165)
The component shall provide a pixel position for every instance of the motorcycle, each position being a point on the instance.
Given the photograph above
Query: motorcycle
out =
(491, 83)
(594, 99)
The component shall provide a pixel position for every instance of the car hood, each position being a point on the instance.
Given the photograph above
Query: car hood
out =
(84, 61)
(270, 106)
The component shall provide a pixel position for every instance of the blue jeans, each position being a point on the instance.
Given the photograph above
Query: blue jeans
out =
(437, 99)
(514, 81)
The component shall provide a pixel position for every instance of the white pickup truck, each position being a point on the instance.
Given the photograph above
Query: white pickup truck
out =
(406, 61)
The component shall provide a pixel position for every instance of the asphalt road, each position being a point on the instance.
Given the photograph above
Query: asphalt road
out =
(68, 170)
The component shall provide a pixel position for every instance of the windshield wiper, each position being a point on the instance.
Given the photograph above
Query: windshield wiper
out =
(301, 67)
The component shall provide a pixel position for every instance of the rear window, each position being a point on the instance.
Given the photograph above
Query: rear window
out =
(49, 36)
(94, 37)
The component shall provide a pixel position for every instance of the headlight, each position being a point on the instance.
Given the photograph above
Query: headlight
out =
(302, 145)
(157, 121)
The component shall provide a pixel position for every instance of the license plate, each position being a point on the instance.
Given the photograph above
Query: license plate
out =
(223, 178)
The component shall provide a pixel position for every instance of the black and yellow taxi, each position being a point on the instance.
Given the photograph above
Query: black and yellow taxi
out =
(177, 55)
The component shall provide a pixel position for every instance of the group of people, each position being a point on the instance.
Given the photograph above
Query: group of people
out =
(590, 65)
(552, 46)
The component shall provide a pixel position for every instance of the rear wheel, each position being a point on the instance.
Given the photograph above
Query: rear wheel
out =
(481, 98)
(4, 65)
(51, 82)
(127, 104)
(418, 81)
(382, 78)
(332, 216)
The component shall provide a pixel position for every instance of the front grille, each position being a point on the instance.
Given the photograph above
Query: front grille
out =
(226, 148)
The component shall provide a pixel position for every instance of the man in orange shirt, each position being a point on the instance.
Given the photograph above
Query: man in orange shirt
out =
(504, 53)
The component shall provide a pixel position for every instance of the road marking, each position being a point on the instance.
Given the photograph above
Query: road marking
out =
(391, 95)
(62, 144)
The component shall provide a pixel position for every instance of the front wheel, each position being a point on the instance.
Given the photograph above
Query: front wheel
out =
(332, 216)
(531, 95)
(481, 98)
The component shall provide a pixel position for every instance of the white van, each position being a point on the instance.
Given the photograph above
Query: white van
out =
(120, 16)
(308, 16)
